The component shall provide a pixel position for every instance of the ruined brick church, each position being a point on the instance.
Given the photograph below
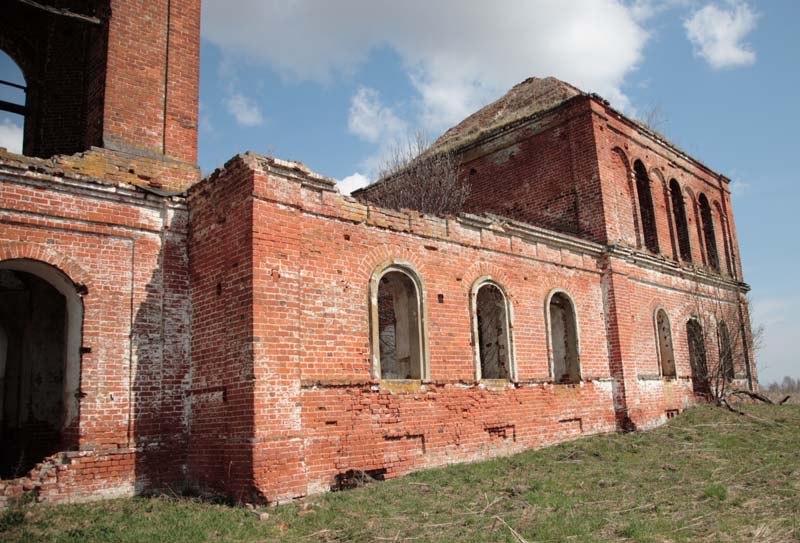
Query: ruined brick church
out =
(257, 334)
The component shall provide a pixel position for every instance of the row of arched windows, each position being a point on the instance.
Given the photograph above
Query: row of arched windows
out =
(398, 334)
(679, 219)
(697, 350)
(400, 345)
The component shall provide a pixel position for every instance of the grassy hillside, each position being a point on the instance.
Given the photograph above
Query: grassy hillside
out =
(708, 475)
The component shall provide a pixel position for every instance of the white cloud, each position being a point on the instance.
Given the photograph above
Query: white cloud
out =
(374, 122)
(459, 54)
(738, 187)
(717, 34)
(644, 10)
(353, 182)
(11, 136)
(370, 120)
(244, 109)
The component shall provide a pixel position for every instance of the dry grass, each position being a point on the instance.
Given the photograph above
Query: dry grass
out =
(708, 475)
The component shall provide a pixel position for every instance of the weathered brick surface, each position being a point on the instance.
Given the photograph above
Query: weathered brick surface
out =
(226, 334)
(125, 250)
(295, 258)
(543, 172)
(124, 78)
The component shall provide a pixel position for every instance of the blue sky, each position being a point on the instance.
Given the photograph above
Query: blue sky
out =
(337, 84)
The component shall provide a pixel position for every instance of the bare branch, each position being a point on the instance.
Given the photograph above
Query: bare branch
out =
(416, 177)
(727, 346)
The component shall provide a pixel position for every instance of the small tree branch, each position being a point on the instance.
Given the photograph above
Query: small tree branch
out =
(751, 394)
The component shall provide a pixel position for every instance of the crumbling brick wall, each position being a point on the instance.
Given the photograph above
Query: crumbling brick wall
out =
(318, 411)
(125, 251)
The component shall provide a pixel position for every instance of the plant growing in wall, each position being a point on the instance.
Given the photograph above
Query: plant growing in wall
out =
(415, 176)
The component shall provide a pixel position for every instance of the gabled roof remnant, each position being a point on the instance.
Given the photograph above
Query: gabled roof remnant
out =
(525, 99)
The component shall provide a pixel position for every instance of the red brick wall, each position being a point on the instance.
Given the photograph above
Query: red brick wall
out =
(152, 77)
(543, 172)
(260, 278)
(221, 394)
(639, 292)
(317, 410)
(128, 248)
(619, 144)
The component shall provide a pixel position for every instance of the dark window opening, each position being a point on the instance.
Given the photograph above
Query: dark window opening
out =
(725, 237)
(33, 317)
(564, 339)
(63, 58)
(681, 224)
(399, 327)
(725, 352)
(646, 207)
(710, 237)
(493, 338)
(665, 350)
(697, 357)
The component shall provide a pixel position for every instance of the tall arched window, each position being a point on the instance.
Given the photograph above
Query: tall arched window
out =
(563, 327)
(397, 333)
(666, 354)
(708, 232)
(725, 233)
(725, 352)
(681, 224)
(12, 103)
(697, 356)
(491, 330)
(646, 207)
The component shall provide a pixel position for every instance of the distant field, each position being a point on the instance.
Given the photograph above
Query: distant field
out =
(708, 475)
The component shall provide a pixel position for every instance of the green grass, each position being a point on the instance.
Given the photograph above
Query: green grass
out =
(708, 475)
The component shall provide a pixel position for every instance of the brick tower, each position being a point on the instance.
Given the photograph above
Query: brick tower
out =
(94, 297)
(114, 80)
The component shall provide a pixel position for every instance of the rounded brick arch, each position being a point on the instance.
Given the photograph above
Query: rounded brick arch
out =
(655, 172)
(487, 270)
(381, 254)
(630, 199)
(19, 48)
(619, 151)
(71, 281)
(474, 286)
(412, 272)
(16, 250)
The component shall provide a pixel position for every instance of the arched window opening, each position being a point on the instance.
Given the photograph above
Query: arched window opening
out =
(681, 224)
(40, 316)
(666, 353)
(697, 356)
(708, 232)
(725, 238)
(646, 207)
(493, 337)
(12, 104)
(399, 326)
(564, 339)
(727, 370)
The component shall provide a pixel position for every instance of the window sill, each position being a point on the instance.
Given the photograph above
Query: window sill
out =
(663, 378)
(401, 385)
(567, 384)
(496, 384)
